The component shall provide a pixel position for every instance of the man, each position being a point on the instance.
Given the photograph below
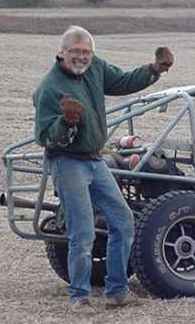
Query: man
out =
(71, 125)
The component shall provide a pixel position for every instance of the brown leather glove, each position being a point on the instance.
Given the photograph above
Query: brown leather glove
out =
(72, 110)
(164, 59)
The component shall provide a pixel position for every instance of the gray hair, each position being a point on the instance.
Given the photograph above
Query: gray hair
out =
(75, 34)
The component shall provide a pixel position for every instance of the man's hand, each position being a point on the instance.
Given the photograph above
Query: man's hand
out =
(164, 59)
(72, 110)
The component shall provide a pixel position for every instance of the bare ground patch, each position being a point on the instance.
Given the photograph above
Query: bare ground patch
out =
(98, 21)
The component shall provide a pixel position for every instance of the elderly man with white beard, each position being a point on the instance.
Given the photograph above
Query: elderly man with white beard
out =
(71, 125)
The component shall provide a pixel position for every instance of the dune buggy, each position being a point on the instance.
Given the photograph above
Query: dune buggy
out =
(160, 190)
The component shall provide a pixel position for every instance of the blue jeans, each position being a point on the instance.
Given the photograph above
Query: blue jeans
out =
(81, 185)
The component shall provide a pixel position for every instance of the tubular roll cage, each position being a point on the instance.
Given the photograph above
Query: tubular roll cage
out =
(128, 110)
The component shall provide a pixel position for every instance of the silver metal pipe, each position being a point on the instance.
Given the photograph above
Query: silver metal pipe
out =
(159, 140)
(114, 128)
(39, 202)
(12, 147)
(141, 111)
(47, 237)
(10, 206)
(36, 236)
(24, 188)
(191, 110)
(21, 202)
(32, 170)
(153, 176)
(25, 156)
(122, 105)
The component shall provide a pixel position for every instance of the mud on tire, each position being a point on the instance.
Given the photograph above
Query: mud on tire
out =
(164, 249)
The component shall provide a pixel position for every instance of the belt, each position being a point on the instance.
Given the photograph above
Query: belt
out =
(53, 153)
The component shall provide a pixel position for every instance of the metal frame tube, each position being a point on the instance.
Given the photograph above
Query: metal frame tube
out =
(132, 109)
(159, 140)
(141, 111)
(153, 176)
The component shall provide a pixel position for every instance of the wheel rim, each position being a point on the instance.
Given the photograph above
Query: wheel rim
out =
(179, 248)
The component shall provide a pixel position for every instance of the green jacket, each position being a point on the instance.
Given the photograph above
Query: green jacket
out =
(89, 89)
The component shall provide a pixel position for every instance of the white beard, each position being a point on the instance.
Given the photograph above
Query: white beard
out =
(78, 71)
(79, 68)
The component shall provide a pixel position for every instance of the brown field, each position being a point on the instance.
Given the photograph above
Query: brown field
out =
(108, 3)
(98, 20)
(30, 291)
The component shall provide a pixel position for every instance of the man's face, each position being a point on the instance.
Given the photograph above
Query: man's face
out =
(78, 57)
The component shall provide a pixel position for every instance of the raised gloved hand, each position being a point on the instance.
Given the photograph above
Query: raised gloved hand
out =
(72, 110)
(164, 59)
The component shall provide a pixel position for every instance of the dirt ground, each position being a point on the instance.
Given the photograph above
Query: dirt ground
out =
(98, 21)
(30, 292)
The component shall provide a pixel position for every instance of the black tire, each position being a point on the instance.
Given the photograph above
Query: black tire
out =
(164, 247)
(57, 253)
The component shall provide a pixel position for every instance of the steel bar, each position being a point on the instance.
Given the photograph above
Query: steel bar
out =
(24, 188)
(42, 189)
(22, 202)
(25, 156)
(28, 170)
(153, 176)
(141, 111)
(192, 121)
(160, 140)
(12, 147)
(122, 105)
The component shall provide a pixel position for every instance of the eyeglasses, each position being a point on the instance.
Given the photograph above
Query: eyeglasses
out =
(79, 52)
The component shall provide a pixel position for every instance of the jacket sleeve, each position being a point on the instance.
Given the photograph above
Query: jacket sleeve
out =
(50, 125)
(117, 82)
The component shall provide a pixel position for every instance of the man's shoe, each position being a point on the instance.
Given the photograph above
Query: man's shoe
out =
(122, 300)
(82, 306)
